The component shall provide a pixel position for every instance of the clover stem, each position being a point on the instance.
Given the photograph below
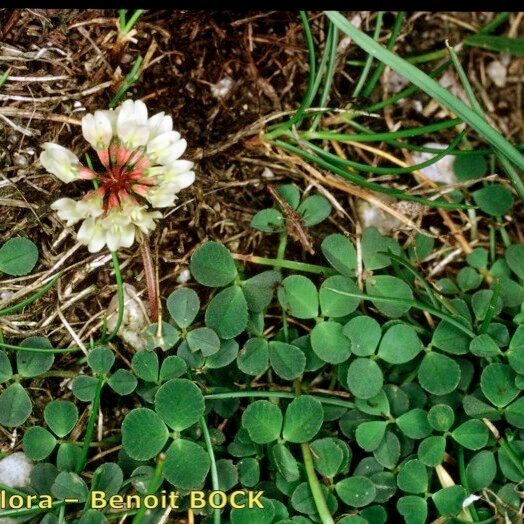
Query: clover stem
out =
(278, 394)
(512, 454)
(314, 484)
(214, 471)
(154, 484)
(90, 428)
(149, 272)
(282, 246)
(120, 292)
(281, 251)
(287, 264)
(464, 481)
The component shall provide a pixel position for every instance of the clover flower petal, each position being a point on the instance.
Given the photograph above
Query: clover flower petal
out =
(141, 169)
(92, 234)
(97, 129)
(159, 124)
(166, 148)
(59, 161)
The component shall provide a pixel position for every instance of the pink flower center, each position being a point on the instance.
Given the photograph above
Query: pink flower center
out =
(124, 176)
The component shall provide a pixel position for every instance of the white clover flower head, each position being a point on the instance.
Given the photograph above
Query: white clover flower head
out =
(140, 168)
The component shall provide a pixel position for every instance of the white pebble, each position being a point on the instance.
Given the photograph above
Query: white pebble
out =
(396, 82)
(20, 160)
(442, 170)
(184, 276)
(15, 470)
(371, 215)
(222, 88)
(267, 173)
(497, 72)
(135, 318)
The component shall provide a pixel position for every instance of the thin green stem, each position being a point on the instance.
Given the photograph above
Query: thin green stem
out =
(122, 19)
(384, 170)
(363, 182)
(39, 350)
(314, 485)
(13, 491)
(464, 80)
(323, 60)
(331, 52)
(496, 22)
(287, 264)
(310, 92)
(391, 42)
(281, 251)
(382, 137)
(132, 21)
(427, 57)
(410, 303)
(4, 76)
(435, 91)
(281, 247)
(464, 481)
(369, 60)
(408, 91)
(128, 81)
(29, 300)
(506, 164)
(120, 293)
(512, 455)
(59, 373)
(278, 394)
(214, 471)
(154, 483)
(90, 428)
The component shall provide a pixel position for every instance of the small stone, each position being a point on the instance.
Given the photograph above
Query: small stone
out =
(371, 215)
(396, 82)
(184, 276)
(223, 87)
(135, 319)
(15, 470)
(267, 173)
(442, 170)
(20, 160)
(497, 72)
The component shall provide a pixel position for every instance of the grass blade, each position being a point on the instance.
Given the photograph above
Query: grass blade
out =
(384, 170)
(412, 303)
(369, 60)
(436, 91)
(363, 182)
(391, 42)
(310, 92)
(501, 44)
